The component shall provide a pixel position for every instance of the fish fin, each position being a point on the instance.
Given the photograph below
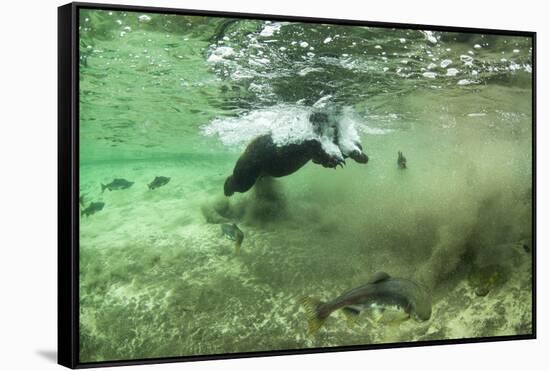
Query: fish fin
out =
(239, 237)
(103, 186)
(314, 321)
(351, 316)
(379, 277)
(377, 316)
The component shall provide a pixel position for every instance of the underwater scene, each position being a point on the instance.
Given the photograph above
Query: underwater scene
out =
(252, 185)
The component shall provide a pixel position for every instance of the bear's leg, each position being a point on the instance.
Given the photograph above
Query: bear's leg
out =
(238, 183)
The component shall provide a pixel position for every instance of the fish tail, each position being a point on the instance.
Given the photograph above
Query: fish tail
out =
(238, 243)
(314, 320)
(103, 186)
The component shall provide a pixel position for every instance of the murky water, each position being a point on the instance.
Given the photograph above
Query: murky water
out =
(182, 96)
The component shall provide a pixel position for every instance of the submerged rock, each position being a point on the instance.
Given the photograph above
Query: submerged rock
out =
(485, 279)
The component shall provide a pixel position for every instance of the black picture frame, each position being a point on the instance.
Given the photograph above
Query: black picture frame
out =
(68, 183)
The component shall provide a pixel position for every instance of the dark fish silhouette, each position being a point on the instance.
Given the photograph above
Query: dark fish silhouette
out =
(117, 184)
(232, 232)
(159, 181)
(92, 208)
(401, 160)
(381, 293)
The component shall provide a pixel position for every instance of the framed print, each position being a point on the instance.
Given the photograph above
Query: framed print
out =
(237, 185)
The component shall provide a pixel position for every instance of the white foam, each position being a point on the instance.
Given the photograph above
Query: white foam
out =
(289, 124)
(452, 72)
(144, 18)
(466, 82)
(258, 61)
(514, 66)
(375, 131)
(269, 29)
(445, 63)
(430, 75)
(220, 53)
(323, 101)
(347, 133)
(327, 40)
(429, 35)
(304, 44)
(467, 60)
(330, 147)
(307, 70)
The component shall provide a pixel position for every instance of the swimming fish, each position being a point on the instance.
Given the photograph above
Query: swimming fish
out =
(232, 232)
(381, 293)
(401, 160)
(92, 208)
(159, 181)
(116, 184)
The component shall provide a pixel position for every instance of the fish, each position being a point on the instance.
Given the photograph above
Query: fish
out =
(381, 293)
(92, 208)
(401, 160)
(116, 184)
(159, 181)
(232, 232)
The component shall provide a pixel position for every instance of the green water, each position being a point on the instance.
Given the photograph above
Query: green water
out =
(175, 96)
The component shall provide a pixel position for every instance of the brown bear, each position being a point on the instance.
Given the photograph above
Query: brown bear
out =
(262, 157)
